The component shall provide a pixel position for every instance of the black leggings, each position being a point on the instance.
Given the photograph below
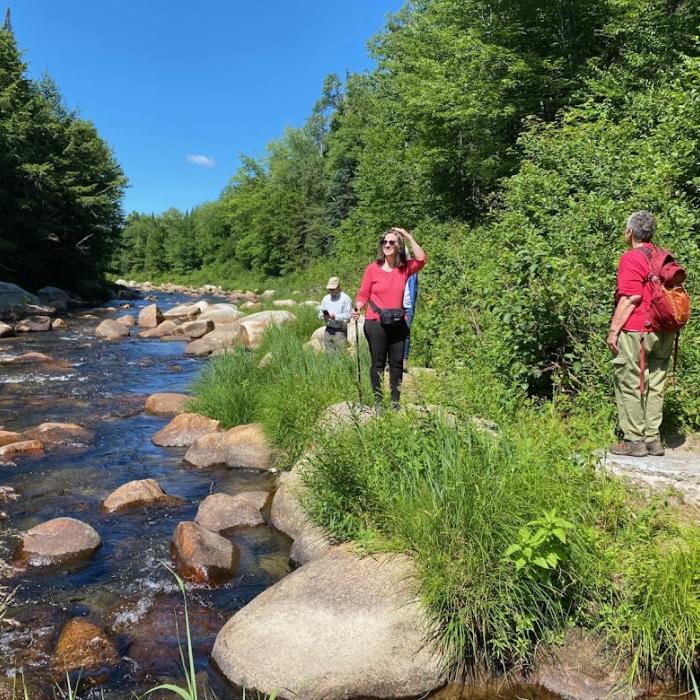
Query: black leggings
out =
(386, 341)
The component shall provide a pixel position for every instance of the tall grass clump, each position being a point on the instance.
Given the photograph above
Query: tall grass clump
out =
(227, 389)
(498, 525)
(297, 386)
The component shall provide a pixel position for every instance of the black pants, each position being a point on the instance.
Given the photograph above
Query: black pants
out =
(386, 341)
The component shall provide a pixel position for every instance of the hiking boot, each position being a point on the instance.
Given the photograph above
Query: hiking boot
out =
(630, 448)
(656, 448)
(395, 406)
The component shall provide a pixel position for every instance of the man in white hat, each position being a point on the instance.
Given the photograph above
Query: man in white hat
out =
(335, 310)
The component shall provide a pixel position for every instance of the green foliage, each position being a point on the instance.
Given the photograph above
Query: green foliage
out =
(60, 186)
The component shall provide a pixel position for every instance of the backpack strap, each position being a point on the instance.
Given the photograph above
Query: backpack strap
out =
(375, 308)
(642, 364)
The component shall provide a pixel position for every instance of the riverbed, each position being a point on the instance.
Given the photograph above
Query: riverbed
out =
(125, 588)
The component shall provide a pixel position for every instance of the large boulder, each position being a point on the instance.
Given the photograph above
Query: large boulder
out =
(53, 434)
(83, 646)
(137, 494)
(162, 329)
(21, 448)
(289, 516)
(195, 329)
(230, 336)
(221, 313)
(184, 429)
(206, 451)
(6, 331)
(53, 296)
(220, 512)
(202, 556)
(12, 295)
(127, 320)
(247, 447)
(33, 324)
(256, 324)
(110, 329)
(150, 316)
(58, 541)
(187, 311)
(340, 627)
(166, 404)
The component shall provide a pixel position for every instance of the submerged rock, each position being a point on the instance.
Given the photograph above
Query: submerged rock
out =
(33, 324)
(202, 556)
(340, 627)
(22, 447)
(166, 404)
(109, 329)
(52, 434)
(83, 645)
(59, 541)
(150, 316)
(221, 512)
(184, 429)
(137, 494)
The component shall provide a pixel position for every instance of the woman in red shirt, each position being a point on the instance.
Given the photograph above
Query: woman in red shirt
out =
(382, 288)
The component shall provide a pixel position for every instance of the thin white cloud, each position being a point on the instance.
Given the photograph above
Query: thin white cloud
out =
(197, 159)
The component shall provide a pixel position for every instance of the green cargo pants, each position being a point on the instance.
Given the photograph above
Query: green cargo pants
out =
(640, 414)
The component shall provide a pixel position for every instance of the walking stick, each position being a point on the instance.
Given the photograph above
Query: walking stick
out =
(357, 357)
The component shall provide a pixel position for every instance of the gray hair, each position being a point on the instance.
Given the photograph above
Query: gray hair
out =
(642, 224)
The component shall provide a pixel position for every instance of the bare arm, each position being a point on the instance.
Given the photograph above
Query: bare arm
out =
(417, 252)
(623, 310)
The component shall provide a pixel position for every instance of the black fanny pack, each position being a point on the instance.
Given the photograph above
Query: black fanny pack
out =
(388, 317)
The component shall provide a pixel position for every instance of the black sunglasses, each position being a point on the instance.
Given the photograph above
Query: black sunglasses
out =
(385, 242)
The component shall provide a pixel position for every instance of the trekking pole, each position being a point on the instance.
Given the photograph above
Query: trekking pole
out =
(357, 357)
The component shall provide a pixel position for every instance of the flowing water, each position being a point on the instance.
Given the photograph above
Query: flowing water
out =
(125, 588)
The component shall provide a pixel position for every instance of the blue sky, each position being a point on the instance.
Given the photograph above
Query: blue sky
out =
(164, 80)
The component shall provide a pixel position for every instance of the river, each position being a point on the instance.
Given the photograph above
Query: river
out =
(125, 588)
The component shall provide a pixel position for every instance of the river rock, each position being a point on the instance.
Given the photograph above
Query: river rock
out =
(7, 437)
(220, 512)
(247, 447)
(6, 331)
(202, 556)
(582, 668)
(257, 323)
(284, 303)
(251, 306)
(310, 302)
(221, 313)
(184, 429)
(288, 516)
(343, 415)
(33, 324)
(340, 627)
(166, 404)
(137, 494)
(27, 357)
(53, 296)
(52, 434)
(59, 540)
(267, 295)
(187, 311)
(109, 329)
(83, 646)
(150, 316)
(58, 324)
(195, 329)
(21, 448)
(235, 335)
(206, 451)
(162, 329)
(12, 295)
(127, 320)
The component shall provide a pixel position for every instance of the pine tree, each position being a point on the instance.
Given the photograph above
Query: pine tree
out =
(7, 24)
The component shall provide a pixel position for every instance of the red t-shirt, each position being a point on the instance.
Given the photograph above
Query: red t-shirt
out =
(385, 288)
(631, 275)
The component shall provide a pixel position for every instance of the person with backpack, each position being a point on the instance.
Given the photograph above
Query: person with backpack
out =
(651, 307)
(381, 291)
